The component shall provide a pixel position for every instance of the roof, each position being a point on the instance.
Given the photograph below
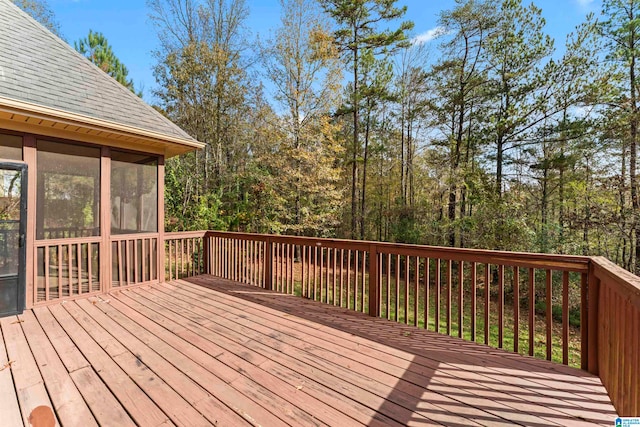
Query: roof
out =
(42, 76)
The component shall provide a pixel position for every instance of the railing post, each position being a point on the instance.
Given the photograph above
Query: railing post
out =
(206, 253)
(268, 264)
(374, 284)
(593, 294)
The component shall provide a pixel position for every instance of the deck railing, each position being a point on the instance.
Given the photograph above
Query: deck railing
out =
(184, 254)
(579, 311)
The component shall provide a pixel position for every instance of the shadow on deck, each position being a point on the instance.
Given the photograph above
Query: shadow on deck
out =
(209, 351)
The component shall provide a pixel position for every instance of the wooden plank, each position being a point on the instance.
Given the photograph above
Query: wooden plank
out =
(158, 383)
(99, 398)
(487, 302)
(67, 401)
(549, 313)
(104, 406)
(474, 291)
(190, 358)
(307, 361)
(516, 309)
(501, 306)
(508, 361)
(584, 326)
(416, 293)
(47, 278)
(565, 317)
(34, 401)
(427, 274)
(340, 352)
(406, 290)
(69, 354)
(334, 389)
(460, 298)
(448, 301)
(388, 256)
(249, 378)
(532, 311)
(9, 407)
(135, 401)
(363, 291)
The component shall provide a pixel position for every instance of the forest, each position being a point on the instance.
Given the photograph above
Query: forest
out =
(341, 123)
(485, 140)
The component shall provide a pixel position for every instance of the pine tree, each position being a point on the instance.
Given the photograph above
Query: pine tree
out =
(97, 49)
(358, 33)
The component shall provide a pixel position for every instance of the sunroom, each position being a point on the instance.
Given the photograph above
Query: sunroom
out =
(82, 173)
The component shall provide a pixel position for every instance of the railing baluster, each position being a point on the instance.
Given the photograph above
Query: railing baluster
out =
(565, 317)
(474, 288)
(47, 274)
(416, 293)
(335, 262)
(341, 276)
(584, 329)
(59, 271)
(427, 273)
(322, 278)
(460, 298)
(532, 311)
(364, 278)
(70, 268)
(449, 286)
(549, 312)
(397, 288)
(355, 280)
(487, 301)
(89, 268)
(437, 283)
(501, 306)
(315, 273)
(406, 289)
(328, 275)
(388, 286)
(516, 309)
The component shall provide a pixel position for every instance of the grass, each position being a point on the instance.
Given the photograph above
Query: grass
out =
(325, 293)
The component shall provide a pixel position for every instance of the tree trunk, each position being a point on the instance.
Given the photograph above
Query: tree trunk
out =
(363, 198)
(354, 158)
(635, 264)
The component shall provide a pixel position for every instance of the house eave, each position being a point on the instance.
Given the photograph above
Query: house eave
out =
(32, 118)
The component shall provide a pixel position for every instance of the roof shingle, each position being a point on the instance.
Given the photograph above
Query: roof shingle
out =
(38, 68)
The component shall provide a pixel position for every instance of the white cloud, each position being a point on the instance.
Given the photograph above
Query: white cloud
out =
(585, 4)
(431, 34)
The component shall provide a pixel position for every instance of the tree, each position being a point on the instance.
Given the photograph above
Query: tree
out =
(621, 29)
(204, 87)
(41, 12)
(97, 49)
(357, 34)
(460, 80)
(520, 88)
(303, 65)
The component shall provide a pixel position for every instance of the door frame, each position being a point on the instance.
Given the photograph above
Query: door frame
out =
(22, 229)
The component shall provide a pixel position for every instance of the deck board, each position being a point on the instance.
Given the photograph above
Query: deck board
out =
(212, 352)
(9, 406)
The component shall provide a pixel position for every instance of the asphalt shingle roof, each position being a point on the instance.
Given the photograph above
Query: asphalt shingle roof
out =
(39, 68)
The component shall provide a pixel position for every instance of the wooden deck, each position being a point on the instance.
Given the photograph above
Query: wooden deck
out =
(213, 352)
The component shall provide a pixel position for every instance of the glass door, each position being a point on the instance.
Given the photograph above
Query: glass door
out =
(13, 206)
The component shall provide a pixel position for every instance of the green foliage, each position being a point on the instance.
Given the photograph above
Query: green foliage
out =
(97, 49)
(495, 143)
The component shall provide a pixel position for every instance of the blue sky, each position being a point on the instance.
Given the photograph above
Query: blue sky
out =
(127, 27)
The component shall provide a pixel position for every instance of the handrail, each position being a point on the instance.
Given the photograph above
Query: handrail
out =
(500, 298)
